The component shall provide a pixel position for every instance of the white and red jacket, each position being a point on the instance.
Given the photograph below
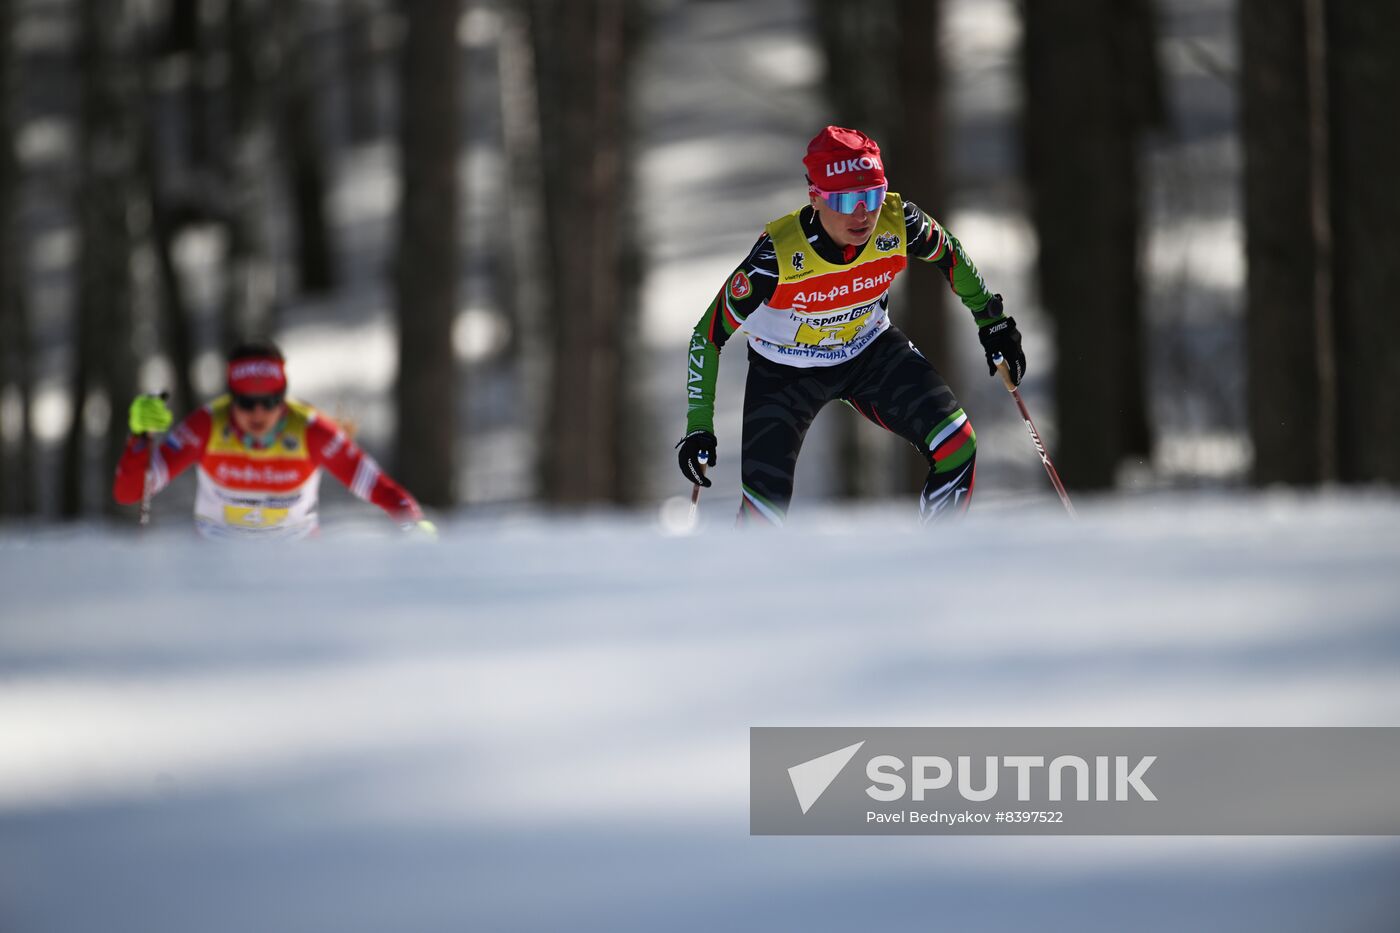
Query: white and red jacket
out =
(250, 490)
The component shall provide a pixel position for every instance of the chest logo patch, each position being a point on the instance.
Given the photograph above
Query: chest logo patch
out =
(798, 258)
(886, 242)
(831, 332)
(254, 516)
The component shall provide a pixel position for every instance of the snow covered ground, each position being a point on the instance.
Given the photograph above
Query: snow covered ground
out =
(542, 725)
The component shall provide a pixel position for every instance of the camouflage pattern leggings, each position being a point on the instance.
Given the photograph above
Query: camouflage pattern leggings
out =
(889, 383)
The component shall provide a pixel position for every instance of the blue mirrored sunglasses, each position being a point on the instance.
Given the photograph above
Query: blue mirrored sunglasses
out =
(845, 202)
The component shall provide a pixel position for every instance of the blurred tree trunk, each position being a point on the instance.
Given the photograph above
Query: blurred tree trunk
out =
(581, 59)
(523, 291)
(917, 161)
(12, 350)
(629, 396)
(185, 37)
(861, 98)
(303, 150)
(1091, 89)
(250, 274)
(1363, 67)
(182, 26)
(1143, 107)
(174, 315)
(107, 152)
(360, 59)
(10, 264)
(1287, 245)
(426, 265)
(21, 477)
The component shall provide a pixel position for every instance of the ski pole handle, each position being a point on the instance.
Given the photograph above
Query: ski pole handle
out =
(695, 490)
(1004, 371)
(149, 487)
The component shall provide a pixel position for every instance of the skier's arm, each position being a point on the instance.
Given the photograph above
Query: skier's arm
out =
(342, 458)
(751, 284)
(931, 242)
(180, 450)
(995, 330)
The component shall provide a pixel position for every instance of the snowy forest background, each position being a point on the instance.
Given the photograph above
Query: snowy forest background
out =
(482, 231)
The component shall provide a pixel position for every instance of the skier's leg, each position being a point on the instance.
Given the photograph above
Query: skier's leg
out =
(953, 470)
(779, 405)
(901, 392)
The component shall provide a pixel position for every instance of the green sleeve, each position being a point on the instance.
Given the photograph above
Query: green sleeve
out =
(968, 285)
(931, 242)
(750, 285)
(702, 371)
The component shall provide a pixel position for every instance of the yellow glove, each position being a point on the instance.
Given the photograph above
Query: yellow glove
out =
(149, 415)
(421, 527)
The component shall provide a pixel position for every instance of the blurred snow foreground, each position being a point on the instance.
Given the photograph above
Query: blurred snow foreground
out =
(543, 725)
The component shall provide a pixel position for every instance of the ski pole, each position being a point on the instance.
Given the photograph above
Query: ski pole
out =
(1000, 364)
(695, 490)
(148, 489)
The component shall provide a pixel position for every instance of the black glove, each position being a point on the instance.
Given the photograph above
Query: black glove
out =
(1001, 336)
(696, 448)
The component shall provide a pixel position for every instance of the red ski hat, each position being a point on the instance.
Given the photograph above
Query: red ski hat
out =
(257, 375)
(839, 159)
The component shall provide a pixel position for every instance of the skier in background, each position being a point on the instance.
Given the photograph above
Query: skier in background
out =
(813, 297)
(260, 456)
